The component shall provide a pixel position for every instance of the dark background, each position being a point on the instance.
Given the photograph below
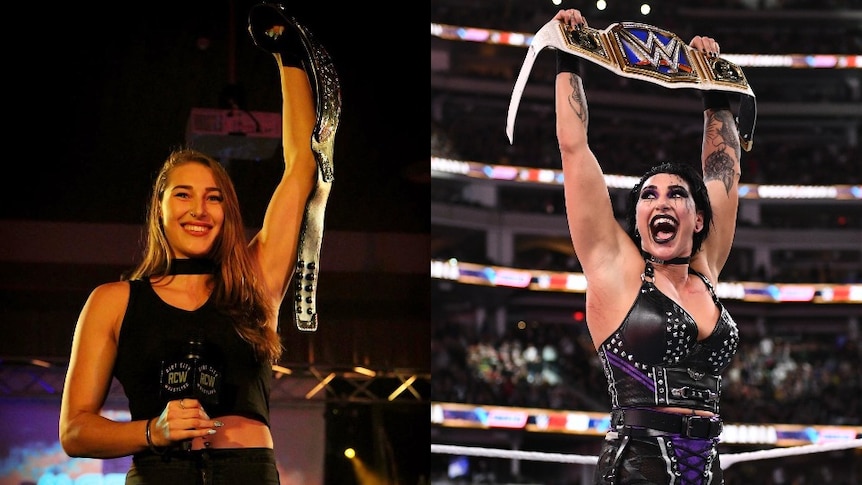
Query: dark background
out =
(101, 93)
(98, 94)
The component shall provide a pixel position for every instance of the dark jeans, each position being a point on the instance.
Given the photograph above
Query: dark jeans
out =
(205, 467)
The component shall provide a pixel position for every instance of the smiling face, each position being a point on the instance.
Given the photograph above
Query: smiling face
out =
(667, 216)
(191, 210)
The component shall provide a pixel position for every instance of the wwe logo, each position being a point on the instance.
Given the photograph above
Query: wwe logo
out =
(654, 50)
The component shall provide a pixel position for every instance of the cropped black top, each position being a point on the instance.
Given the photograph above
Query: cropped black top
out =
(155, 335)
(655, 359)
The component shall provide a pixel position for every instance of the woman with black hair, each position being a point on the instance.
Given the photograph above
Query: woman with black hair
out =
(661, 333)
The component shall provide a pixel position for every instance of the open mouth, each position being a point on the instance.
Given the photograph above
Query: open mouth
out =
(663, 228)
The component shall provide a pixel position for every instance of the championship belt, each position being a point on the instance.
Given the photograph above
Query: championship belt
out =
(274, 31)
(641, 51)
(327, 90)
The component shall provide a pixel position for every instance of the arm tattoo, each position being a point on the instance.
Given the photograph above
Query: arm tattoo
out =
(577, 100)
(719, 165)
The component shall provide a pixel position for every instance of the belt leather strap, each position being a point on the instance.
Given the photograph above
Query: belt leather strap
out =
(327, 90)
(688, 425)
(641, 51)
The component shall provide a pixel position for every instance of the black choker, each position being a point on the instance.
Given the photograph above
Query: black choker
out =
(192, 266)
(680, 260)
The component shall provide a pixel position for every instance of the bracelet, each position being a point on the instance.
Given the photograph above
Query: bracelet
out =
(568, 63)
(150, 440)
(291, 59)
(714, 100)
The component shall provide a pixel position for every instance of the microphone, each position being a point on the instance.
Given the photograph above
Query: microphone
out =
(191, 376)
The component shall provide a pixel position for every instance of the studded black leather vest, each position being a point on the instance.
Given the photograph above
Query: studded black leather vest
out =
(654, 358)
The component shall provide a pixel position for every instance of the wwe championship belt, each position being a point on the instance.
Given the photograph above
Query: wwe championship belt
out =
(644, 52)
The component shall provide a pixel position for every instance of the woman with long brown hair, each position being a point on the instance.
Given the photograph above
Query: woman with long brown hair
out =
(192, 331)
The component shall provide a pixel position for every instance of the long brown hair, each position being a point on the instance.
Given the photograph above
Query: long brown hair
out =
(238, 291)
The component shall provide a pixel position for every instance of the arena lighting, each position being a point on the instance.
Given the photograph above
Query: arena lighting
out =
(588, 423)
(544, 176)
(365, 475)
(320, 385)
(402, 387)
(563, 281)
(520, 39)
(364, 371)
(281, 371)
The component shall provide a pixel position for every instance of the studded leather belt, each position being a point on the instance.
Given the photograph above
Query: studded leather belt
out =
(688, 425)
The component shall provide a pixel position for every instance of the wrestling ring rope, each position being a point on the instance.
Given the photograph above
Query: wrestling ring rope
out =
(727, 459)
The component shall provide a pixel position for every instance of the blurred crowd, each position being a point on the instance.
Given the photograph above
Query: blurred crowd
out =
(812, 164)
(787, 379)
(630, 150)
(793, 379)
(782, 153)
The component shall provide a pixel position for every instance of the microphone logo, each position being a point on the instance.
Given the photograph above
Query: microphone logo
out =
(207, 380)
(191, 376)
(177, 378)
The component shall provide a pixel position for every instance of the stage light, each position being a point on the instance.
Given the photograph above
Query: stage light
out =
(350, 453)
(401, 388)
(281, 371)
(364, 371)
(320, 385)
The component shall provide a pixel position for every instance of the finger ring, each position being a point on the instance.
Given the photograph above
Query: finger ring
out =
(181, 404)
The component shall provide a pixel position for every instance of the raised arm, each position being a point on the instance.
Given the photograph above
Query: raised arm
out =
(596, 235)
(276, 243)
(720, 159)
(288, 245)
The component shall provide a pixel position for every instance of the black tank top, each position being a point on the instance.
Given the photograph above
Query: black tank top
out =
(655, 359)
(154, 333)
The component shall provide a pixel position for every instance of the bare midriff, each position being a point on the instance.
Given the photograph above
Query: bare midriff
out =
(237, 432)
(708, 414)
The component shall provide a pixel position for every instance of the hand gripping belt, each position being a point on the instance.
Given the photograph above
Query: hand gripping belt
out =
(641, 51)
